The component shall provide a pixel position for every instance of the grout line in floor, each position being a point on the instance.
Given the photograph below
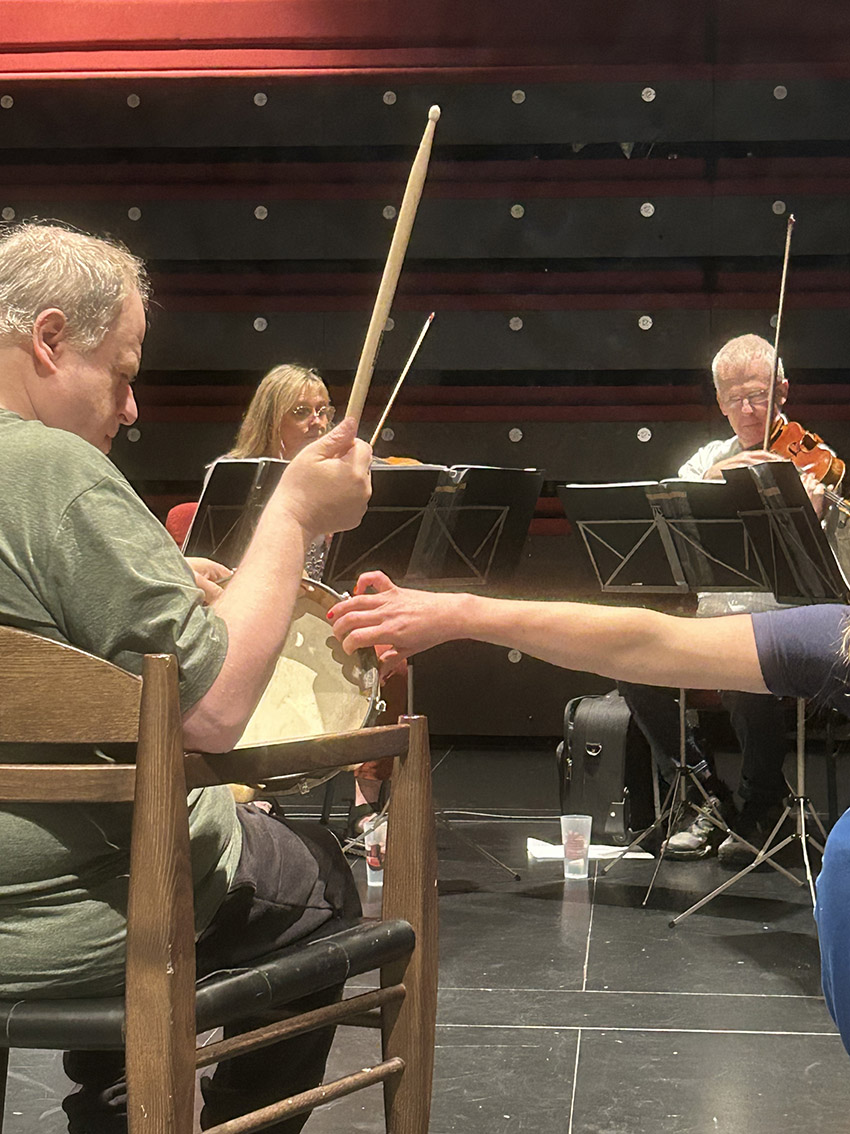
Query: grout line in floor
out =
(575, 1084)
(625, 992)
(671, 1031)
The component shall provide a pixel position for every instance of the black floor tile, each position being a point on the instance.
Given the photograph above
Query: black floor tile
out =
(485, 1079)
(759, 938)
(710, 1083)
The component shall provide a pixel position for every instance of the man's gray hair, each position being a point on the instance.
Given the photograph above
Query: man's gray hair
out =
(740, 352)
(85, 277)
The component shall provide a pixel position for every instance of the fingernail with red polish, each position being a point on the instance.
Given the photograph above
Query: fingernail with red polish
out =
(330, 614)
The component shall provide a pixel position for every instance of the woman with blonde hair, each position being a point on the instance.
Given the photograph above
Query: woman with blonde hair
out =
(291, 408)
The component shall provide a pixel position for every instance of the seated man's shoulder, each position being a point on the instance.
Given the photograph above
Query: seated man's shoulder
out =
(37, 455)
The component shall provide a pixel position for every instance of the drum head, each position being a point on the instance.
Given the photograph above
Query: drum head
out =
(316, 688)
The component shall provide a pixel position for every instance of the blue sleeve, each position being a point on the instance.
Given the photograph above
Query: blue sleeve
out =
(800, 653)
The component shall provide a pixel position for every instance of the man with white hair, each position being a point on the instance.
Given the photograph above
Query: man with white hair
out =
(83, 561)
(742, 372)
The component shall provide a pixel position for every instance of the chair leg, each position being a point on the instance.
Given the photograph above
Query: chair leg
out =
(327, 803)
(410, 892)
(4, 1073)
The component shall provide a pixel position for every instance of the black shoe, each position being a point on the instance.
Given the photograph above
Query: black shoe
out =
(755, 822)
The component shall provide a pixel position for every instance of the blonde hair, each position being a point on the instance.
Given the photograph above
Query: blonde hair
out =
(740, 351)
(87, 278)
(276, 395)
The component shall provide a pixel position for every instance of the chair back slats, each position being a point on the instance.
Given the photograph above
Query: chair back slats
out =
(67, 783)
(290, 757)
(31, 708)
(54, 694)
(410, 890)
(160, 980)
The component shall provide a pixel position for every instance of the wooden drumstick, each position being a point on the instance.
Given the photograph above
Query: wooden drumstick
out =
(401, 378)
(392, 269)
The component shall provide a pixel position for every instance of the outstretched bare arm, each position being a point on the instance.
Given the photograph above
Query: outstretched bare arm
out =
(617, 642)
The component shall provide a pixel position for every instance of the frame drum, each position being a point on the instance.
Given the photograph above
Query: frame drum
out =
(315, 689)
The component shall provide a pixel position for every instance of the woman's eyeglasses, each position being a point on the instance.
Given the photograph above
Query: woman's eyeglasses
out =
(323, 413)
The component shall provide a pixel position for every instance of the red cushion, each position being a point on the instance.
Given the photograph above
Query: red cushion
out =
(179, 520)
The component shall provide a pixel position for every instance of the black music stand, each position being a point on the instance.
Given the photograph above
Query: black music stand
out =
(234, 494)
(755, 531)
(445, 528)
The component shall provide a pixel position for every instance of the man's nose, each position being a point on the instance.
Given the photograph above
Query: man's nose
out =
(129, 411)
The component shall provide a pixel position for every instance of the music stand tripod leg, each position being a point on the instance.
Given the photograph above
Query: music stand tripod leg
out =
(471, 843)
(797, 805)
(676, 800)
(664, 812)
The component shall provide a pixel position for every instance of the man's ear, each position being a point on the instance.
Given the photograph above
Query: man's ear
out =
(781, 395)
(49, 335)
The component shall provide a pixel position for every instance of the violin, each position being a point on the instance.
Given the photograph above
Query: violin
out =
(810, 453)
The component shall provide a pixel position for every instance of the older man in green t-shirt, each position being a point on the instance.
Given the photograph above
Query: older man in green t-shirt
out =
(83, 561)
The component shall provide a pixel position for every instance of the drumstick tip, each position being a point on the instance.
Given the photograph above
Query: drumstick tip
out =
(434, 114)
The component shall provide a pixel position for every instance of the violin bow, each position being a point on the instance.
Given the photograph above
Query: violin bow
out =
(771, 399)
(401, 378)
(392, 269)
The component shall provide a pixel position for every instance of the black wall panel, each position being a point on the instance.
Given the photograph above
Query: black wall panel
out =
(268, 112)
(525, 696)
(484, 341)
(785, 108)
(259, 228)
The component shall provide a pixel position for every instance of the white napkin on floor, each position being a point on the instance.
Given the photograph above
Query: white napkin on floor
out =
(539, 849)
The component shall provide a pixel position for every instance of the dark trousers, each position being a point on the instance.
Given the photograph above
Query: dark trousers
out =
(291, 879)
(759, 723)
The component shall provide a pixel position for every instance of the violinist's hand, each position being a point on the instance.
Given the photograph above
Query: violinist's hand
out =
(815, 491)
(409, 620)
(208, 574)
(740, 461)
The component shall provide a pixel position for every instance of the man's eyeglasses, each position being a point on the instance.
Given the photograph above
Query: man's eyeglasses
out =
(756, 399)
(323, 413)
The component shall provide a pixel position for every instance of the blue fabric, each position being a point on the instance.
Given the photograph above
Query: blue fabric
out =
(799, 652)
(832, 914)
(800, 656)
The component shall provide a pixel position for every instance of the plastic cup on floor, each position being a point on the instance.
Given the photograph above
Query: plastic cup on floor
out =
(575, 834)
(376, 849)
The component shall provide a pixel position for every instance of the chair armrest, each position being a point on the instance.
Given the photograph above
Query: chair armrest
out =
(291, 757)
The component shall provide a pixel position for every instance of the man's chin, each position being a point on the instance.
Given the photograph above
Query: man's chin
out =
(754, 439)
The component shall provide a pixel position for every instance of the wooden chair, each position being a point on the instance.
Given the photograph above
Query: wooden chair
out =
(52, 693)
